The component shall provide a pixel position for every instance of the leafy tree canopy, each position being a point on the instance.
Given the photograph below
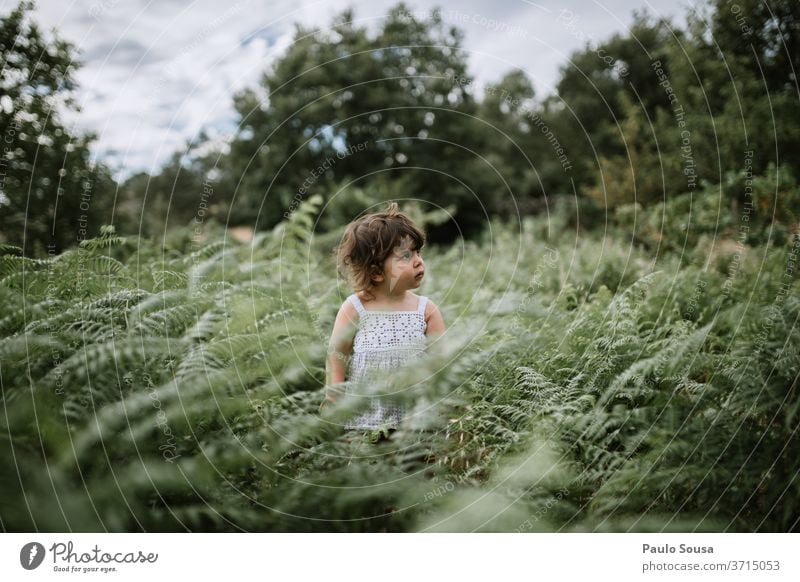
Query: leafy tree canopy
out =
(52, 194)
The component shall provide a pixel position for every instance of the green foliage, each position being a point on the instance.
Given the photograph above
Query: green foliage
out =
(640, 379)
(718, 220)
(360, 115)
(656, 112)
(577, 389)
(52, 194)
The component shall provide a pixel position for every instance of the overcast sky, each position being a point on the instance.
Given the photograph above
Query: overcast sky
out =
(155, 72)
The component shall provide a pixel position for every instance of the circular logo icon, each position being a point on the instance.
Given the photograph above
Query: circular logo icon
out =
(31, 555)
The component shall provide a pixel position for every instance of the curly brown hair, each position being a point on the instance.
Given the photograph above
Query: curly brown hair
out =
(368, 241)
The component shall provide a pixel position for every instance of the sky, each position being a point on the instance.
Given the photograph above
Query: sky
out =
(154, 73)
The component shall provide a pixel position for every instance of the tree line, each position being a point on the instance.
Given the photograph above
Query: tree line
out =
(361, 116)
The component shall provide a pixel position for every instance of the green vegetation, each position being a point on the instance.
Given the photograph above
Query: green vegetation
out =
(617, 264)
(580, 388)
(51, 191)
(360, 116)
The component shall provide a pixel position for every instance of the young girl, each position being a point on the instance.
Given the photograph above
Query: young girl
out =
(383, 324)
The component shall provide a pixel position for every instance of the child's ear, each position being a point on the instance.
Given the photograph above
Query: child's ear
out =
(376, 274)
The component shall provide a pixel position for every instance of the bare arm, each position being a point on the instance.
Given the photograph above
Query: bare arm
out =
(434, 319)
(340, 346)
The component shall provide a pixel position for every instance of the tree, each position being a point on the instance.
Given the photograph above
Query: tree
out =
(598, 85)
(745, 89)
(693, 105)
(640, 175)
(185, 191)
(507, 109)
(392, 112)
(52, 194)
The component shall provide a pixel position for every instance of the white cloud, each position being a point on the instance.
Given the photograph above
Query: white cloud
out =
(157, 72)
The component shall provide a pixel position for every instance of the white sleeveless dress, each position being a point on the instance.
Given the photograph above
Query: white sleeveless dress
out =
(384, 341)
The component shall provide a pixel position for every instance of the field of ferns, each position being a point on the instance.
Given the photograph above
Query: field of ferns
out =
(588, 381)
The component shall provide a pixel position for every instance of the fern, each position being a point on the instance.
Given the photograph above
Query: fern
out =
(164, 390)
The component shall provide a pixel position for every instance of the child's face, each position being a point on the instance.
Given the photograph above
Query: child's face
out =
(404, 268)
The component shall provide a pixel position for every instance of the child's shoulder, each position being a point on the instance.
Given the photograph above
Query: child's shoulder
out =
(430, 307)
(348, 307)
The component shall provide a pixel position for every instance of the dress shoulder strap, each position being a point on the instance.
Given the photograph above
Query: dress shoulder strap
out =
(357, 304)
(423, 303)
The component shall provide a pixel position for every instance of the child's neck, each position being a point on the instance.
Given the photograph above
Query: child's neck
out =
(385, 296)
